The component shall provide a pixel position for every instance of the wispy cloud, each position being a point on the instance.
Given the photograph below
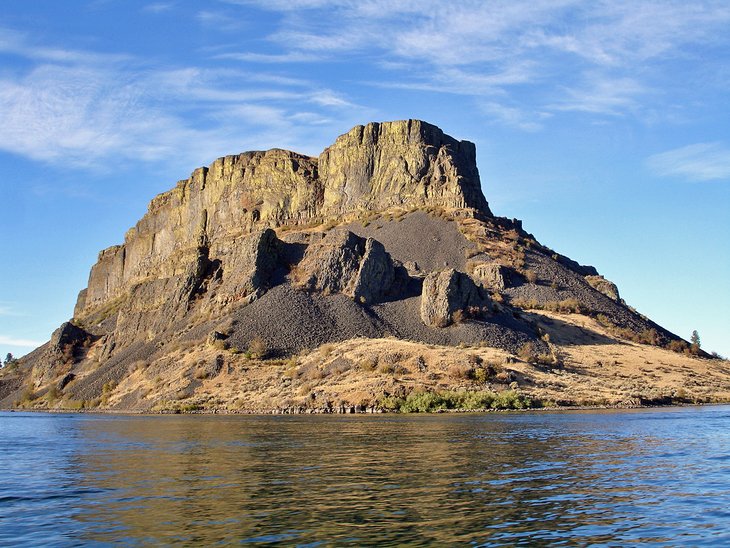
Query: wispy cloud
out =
(220, 21)
(521, 65)
(514, 117)
(602, 95)
(18, 43)
(19, 342)
(7, 310)
(97, 111)
(291, 57)
(697, 162)
(602, 59)
(158, 7)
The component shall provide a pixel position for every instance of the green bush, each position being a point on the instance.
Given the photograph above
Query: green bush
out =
(430, 402)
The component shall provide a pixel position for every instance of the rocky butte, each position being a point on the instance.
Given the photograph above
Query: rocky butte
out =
(372, 278)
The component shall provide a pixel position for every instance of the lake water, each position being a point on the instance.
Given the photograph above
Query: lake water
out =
(611, 478)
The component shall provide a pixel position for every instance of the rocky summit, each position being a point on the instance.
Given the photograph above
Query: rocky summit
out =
(372, 278)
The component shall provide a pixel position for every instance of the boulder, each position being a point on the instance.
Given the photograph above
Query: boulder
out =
(343, 262)
(248, 272)
(601, 284)
(492, 276)
(67, 335)
(448, 292)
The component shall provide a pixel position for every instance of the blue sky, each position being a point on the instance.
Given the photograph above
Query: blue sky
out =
(605, 126)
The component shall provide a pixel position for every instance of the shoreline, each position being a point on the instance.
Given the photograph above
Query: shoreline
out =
(225, 412)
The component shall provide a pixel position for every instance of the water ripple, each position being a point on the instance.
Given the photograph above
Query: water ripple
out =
(593, 478)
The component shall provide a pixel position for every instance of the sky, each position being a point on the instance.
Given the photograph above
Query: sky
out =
(604, 126)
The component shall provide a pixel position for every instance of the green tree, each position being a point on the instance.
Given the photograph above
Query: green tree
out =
(694, 348)
(8, 359)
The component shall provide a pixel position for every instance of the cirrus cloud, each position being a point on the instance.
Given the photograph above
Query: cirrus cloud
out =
(696, 162)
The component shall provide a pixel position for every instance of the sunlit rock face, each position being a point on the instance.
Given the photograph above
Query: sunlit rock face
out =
(370, 168)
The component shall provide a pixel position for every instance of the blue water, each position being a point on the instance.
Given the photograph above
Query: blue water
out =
(608, 478)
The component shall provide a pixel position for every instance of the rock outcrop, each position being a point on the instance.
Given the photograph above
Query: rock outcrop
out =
(272, 254)
(67, 335)
(377, 166)
(607, 287)
(449, 292)
(492, 276)
(249, 271)
(367, 169)
(343, 262)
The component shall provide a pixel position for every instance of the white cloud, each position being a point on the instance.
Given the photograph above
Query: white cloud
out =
(602, 95)
(697, 162)
(6, 310)
(514, 117)
(158, 7)
(329, 98)
(219, 20)
(19, 342)
(520, 62)
(600, 59)
(17, 43)
(291, 57)
(100, 114)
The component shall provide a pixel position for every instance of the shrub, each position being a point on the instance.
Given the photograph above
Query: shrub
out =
(257, 348)
(459, 316)
(53, 393)
(326, 349)
(678, 346)
(429, 402)
(310, 372)
(527, 352)
(511, 400)
(461, 371)
(424, 402)
(503, 377)
(566, 306)
(68, 354)
(368, 363)
(531, 276)
(391, 358)
(74, 405)
(481, 375)
(27, 396)
(649, 336)
(390, 403)
(386, 369)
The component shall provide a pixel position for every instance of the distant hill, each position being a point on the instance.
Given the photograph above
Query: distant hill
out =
(374, 277)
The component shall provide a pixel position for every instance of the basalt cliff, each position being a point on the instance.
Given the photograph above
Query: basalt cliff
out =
(374, 277)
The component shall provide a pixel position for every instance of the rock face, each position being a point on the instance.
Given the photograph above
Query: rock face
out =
(608, 288)
(369, 168)
(248, 274)
(67, 334)
(493, 276)
(343, 262)
(380, 165)
(447, 292)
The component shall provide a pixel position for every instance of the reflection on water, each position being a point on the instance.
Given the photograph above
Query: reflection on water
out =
(537, 479)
